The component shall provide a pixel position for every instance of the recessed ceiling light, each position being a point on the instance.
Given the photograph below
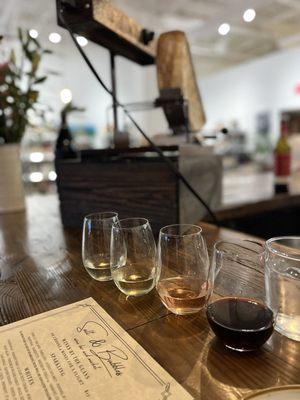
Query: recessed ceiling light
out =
(249, 15)
(82, 41)
(33, 33)
(66, 96)
(36, 177)
(52, 176)
(36, 157)
(224, 29)
(54, 37)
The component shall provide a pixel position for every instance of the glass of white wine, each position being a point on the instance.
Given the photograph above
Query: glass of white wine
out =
(133, 256)
(183, 261)
(96, 236)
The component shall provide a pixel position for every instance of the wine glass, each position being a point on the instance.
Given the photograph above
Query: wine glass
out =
(133, 256)
(236, 309)
(183, 261)
(96, 236)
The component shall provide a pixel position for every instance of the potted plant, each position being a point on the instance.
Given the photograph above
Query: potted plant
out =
(19, 82)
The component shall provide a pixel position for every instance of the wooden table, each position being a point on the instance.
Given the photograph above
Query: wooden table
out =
(41, 268)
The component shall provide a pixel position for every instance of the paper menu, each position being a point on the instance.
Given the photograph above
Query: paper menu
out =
(79, 352)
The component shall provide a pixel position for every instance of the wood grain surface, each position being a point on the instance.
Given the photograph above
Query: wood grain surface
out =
(123, 25)
(136, 188)
(41, 268)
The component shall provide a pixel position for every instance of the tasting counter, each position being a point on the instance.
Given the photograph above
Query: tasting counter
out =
(41, 269)
(249, 203)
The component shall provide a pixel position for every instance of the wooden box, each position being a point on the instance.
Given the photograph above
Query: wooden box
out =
(133, 183)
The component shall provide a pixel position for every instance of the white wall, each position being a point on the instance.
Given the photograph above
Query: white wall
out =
(134, 83)
(239, 93)
(265, 84)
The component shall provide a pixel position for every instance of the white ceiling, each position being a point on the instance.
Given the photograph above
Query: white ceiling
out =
(276, 25)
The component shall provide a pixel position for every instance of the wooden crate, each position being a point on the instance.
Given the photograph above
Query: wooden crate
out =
(130, 183)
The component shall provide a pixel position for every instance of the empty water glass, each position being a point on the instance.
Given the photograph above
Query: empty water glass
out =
(282, 275)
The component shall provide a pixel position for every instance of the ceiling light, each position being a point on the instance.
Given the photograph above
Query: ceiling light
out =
(249, 15)
(66, 96)
(52, 176)
(224, 29)
(36, 157)
(55, 37)
(33, 33)
(82, 41)
(36, 177)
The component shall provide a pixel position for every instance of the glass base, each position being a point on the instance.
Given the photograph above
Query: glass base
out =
(240, 350)
(287, 333)
(99, 274)
(104, 279)
(183, 312)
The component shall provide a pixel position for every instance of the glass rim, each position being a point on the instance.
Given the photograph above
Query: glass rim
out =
(199, 230)
(143, 222)
(101, 215)
(237, 242)
(281, 253)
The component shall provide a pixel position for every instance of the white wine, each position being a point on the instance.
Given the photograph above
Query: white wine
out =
(98, 268)
(182, 295)
(134, 280)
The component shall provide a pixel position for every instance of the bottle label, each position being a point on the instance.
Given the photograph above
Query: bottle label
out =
(282, 164)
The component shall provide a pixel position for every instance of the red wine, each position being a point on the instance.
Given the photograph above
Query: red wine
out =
(241, 324)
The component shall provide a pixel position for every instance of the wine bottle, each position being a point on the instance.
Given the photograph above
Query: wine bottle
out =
(64, 147)
(282, 160)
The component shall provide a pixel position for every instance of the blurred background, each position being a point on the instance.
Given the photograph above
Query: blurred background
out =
(247, 61)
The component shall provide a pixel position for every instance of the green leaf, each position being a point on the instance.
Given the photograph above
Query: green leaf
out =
(35, 41)
(12, 57)
(29, 54)
(40, 80)
(36, 58)
(20, 35)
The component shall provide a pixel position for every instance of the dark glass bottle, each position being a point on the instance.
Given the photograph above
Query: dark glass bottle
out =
(64, 147)
(282, 160)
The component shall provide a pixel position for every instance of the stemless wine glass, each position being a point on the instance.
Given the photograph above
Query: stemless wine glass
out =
(96, 236)
(183, 261)
(282, 267)
(236, 309)
(133, 256)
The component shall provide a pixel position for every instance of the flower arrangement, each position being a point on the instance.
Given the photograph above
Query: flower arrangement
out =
(19, 80)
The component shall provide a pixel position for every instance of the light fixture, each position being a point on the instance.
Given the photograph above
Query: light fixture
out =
(249, 15)
(66, 96)
(52, 176)
(82, 41)
(33, 33)
(224, 29)
(54, 37)
(36, 177)
(36, 157)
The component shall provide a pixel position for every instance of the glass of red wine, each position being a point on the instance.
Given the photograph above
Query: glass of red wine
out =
(236, 308)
